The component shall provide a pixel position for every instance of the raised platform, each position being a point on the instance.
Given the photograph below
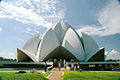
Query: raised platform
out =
(83, 65)
(23, 64)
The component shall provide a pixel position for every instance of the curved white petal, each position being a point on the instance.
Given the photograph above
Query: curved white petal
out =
(60, 30)
(72, 43)
(49, 42)
(90, 46)
(32, 44)
(26, 52)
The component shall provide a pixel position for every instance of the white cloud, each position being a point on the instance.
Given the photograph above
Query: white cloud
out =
(37, 31)
(114, 55)
(10, 55)
(109, 18)
(36, 0)
(37, 12)
(106, 53)
(0, 29)
(18, 39)
(29, 31)
(94, 30)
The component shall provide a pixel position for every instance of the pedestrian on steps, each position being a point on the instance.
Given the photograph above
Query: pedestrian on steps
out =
(59, 65)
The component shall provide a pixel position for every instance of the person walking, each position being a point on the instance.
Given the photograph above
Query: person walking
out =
(45, 66)
(72, 65)
(78, 65)
(59, 65)
(64, 64)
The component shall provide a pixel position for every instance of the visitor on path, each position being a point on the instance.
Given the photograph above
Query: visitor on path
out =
(60, 60)
(64, 62)
(55, 63)
(45, 66)
(75, 68)
(78, 65)
(72, 65)
(59, 65)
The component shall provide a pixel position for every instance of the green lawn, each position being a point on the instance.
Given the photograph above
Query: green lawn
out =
(46, 74)
(91, 76)
(26, 76)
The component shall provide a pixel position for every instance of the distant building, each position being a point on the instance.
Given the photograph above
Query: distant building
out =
(60, 41)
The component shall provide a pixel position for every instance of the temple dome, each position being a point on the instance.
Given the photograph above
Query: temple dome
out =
(60, 41)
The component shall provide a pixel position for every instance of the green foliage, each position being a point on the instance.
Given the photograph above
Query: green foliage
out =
(46, 74)
(5, 59)
(26, 76)
(91, 76)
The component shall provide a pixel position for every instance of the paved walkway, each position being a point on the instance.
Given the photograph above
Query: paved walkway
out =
(56, 74)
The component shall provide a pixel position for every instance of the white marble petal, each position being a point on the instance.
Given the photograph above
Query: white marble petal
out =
(72, 43)
(32, 44)
(49, 43)
(29, 54)
(90, 46)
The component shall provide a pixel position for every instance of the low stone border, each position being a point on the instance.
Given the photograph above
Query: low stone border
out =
(49, 75)
(62, 73)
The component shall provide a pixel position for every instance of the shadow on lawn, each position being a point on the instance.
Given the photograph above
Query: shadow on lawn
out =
(0, 78)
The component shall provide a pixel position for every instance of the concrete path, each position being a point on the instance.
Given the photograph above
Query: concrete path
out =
(56, 74)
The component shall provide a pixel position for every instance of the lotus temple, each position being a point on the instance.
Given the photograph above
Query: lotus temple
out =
(60, 41)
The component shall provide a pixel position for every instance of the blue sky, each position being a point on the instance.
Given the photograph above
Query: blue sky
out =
(20, 19)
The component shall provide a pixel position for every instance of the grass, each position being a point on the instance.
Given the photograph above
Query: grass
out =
(91, 76)
(46, 74)
(26, 76)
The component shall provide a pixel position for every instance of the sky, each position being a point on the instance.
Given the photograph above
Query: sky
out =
(20, 19)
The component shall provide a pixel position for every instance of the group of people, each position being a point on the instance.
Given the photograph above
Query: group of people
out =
(75, 67)
(60, 64)
(64, 64)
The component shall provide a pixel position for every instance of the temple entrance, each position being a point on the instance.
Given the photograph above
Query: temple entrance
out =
(60, 53)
